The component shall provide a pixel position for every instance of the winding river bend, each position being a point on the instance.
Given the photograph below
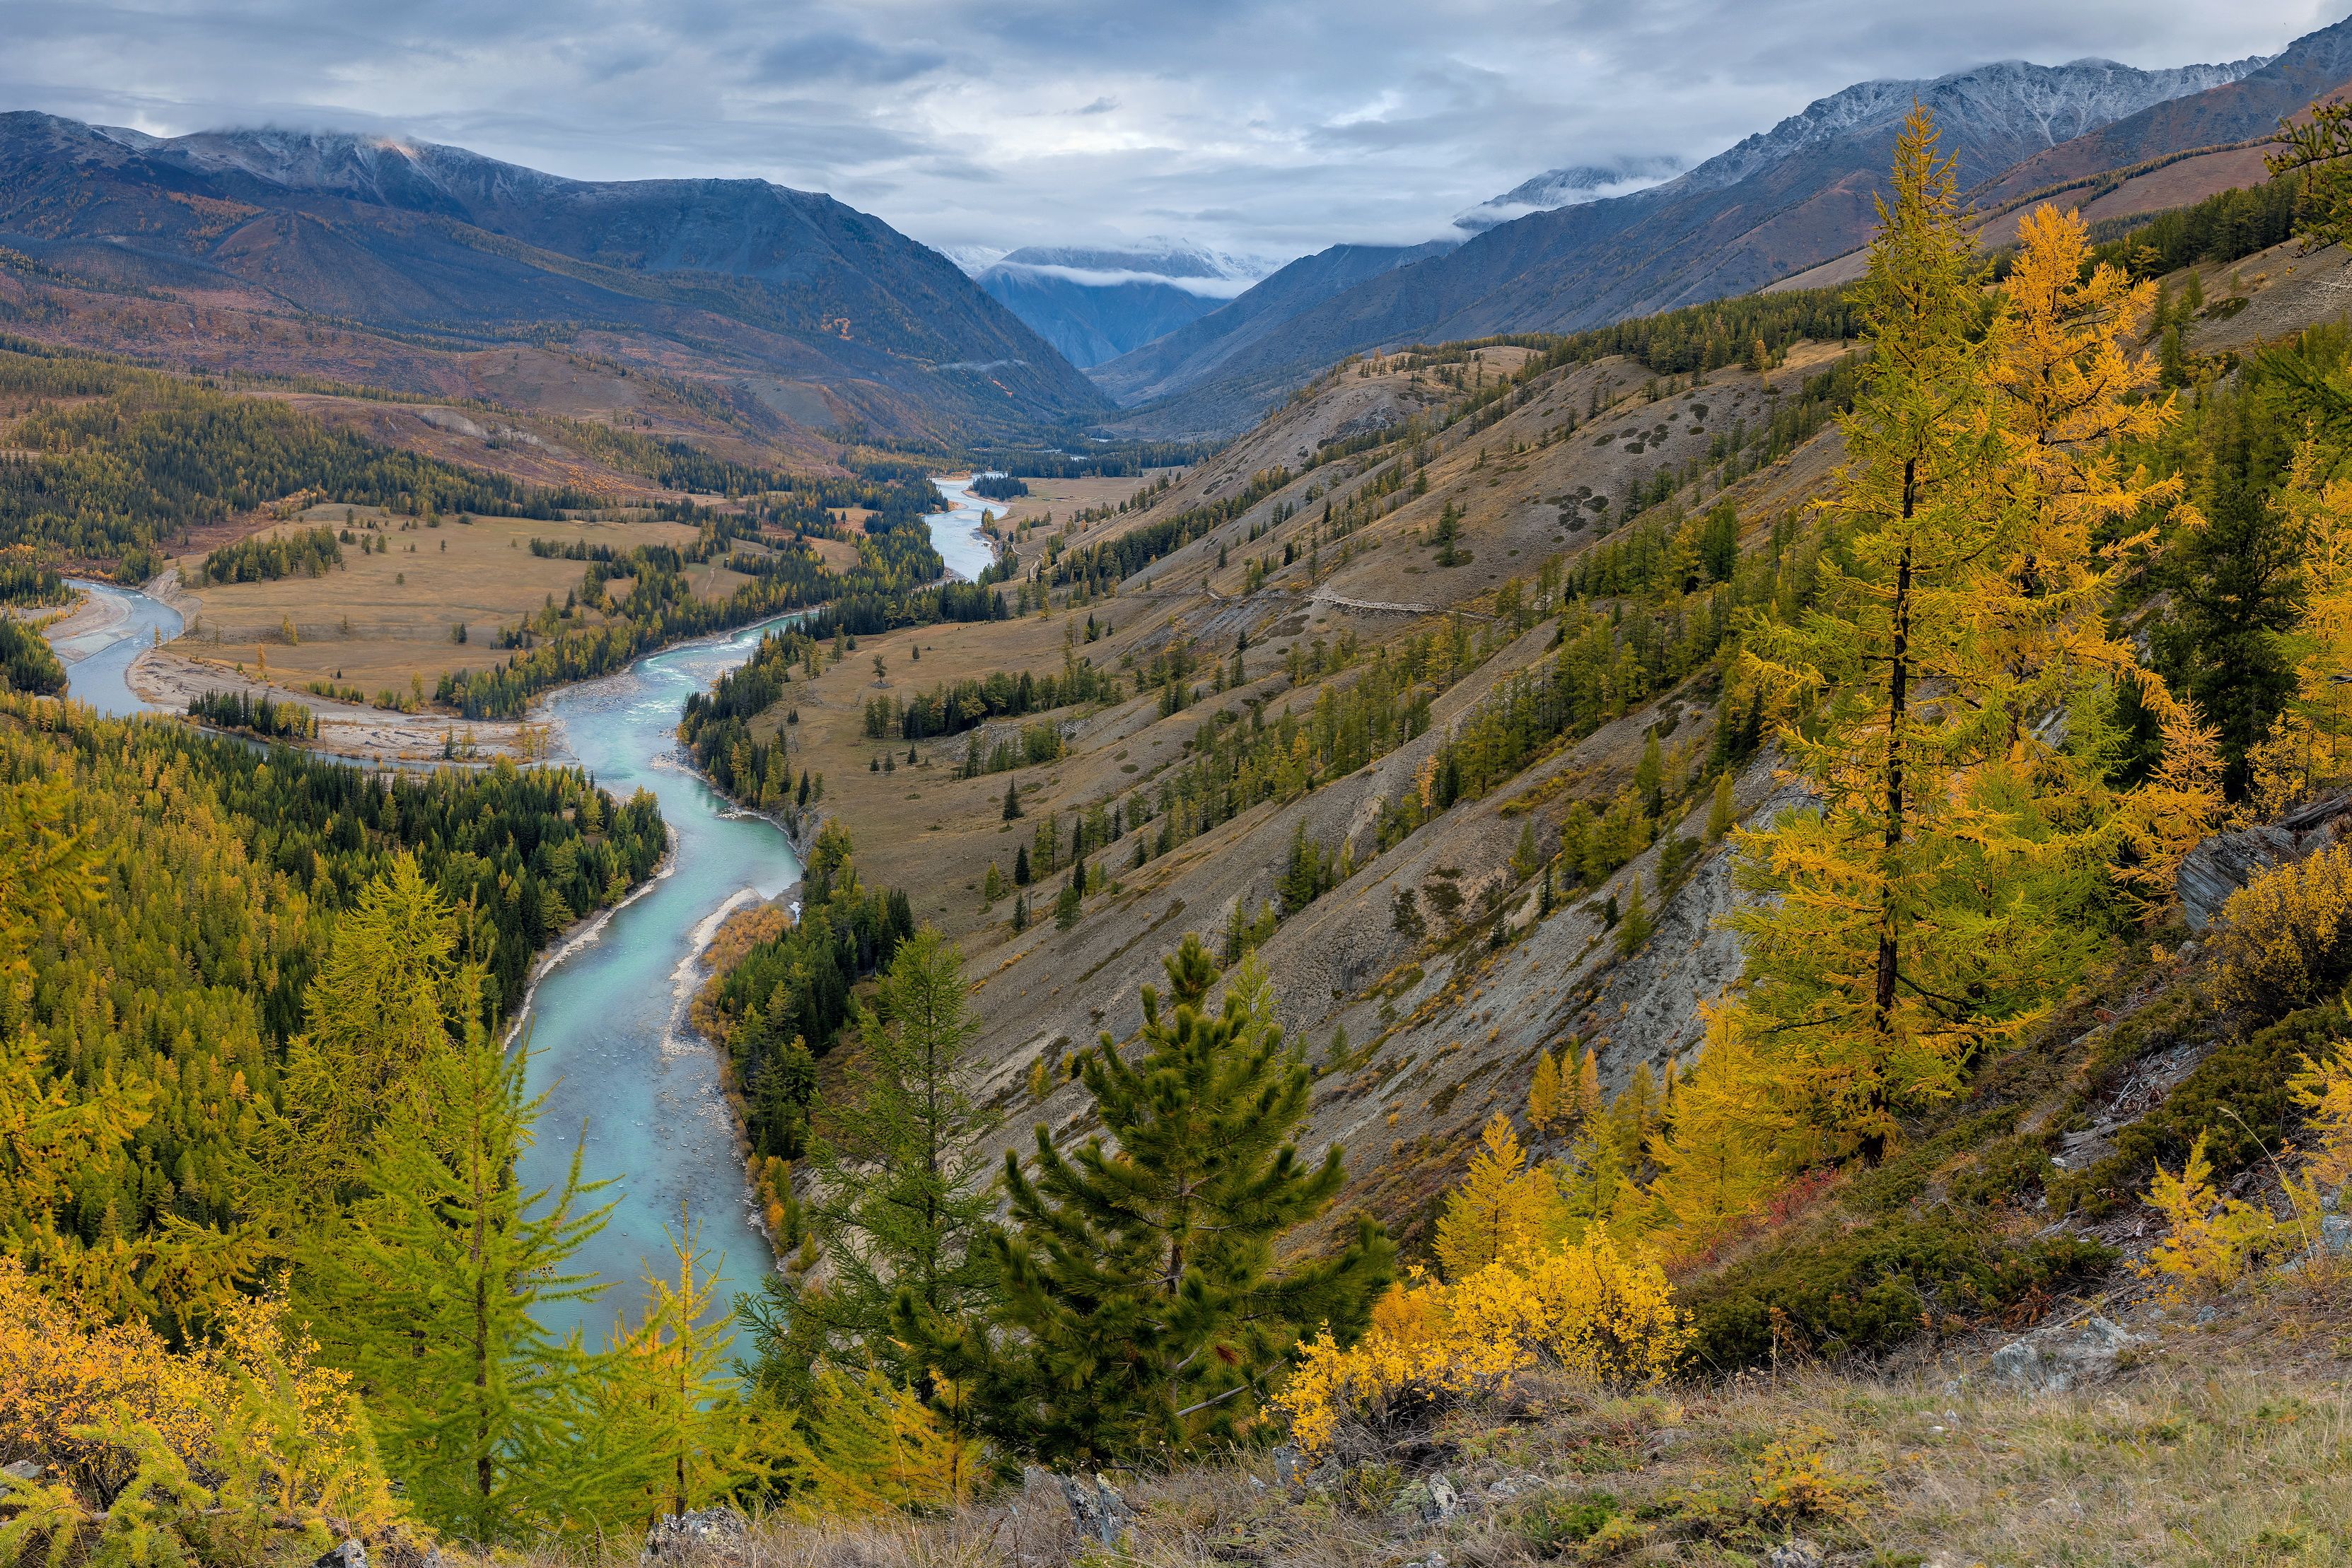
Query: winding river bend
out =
(624, 1079)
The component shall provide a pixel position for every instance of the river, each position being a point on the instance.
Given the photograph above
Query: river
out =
(626, 1080)
(955, 533)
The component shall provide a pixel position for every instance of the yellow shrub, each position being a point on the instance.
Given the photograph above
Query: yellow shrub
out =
(2284, 939)
(1584, 1307)
(1793, 1481)
(865, 1445)
(280, 1440)
(57, 1376)
(2209, 1241)
(2324, 1088)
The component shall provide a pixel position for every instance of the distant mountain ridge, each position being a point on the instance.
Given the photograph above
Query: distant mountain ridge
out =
(1200, 358)
(823, 309)
(1094, 303)
(1770, 206)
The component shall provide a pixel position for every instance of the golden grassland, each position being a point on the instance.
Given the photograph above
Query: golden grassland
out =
(383, 619)
(921, 827)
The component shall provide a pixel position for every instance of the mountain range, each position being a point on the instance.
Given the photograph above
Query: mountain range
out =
(786, 321)
(1094, 304)
(1773, 206)
(788, 305)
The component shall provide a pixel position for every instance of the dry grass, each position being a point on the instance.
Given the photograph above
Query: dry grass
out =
(2224, 1446)
(383, 619)
(921, 827)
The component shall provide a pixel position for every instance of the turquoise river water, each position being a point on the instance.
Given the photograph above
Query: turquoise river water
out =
(626, 1080)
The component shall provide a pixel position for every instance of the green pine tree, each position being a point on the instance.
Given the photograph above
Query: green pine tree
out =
(1649, 778)
(901, 1198)
(1302, 877)
(1722, 812)
(1633, 926)
(1145, 1309)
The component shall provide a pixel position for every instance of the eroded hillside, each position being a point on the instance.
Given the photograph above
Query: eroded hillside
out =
(1422, 1036)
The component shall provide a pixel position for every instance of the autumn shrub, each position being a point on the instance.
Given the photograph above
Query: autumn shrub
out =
(1588, 1526)
(2322, 1087)
(2283, 941)
(1838, 1293)
(1586, 1307)
(2005, 1169)
(1550, 1525)
(1904, 1178)
(868, 1446)
(1794, 1481)
(207, 1450)
(2209, 1241)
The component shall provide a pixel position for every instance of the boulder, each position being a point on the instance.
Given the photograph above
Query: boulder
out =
(1431, 1500)
(1096, 1508)
(679, 1537)
(1794, 1552)
(352, 1554)
(2052, 1361)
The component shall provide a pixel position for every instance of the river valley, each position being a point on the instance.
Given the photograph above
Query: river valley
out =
(625, 1080)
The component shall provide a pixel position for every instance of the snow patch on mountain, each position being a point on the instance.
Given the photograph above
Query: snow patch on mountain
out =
(2058, 102)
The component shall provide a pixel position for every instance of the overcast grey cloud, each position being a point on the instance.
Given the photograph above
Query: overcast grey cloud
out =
(1273, 127)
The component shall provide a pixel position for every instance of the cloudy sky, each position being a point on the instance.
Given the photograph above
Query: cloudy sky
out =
(1272, 127)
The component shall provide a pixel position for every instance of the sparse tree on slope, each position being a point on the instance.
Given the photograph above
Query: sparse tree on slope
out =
(1500, 1209)
(1717, 1159)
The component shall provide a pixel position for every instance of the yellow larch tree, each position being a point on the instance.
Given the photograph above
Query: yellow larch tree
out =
(1870, 968)
(1719, 1158)
(1545, 1109)
(1951, 880)
(1502, 1206)
(1587, 1102)
(2076, 397)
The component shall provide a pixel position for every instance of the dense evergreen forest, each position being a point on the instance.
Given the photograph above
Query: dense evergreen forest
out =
(270, 718)
(782, 1007)
(28, 664)
(27, 582)
(312, 552)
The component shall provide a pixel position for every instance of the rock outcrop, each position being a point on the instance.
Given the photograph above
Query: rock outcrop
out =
(2225, 862)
